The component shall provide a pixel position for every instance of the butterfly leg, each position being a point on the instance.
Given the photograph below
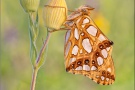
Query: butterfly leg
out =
(61, 29)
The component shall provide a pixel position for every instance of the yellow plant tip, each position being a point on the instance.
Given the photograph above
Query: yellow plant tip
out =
(102, 22)
(30, 5)
(55, 13)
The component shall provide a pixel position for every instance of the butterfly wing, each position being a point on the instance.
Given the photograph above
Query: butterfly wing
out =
(88, 51)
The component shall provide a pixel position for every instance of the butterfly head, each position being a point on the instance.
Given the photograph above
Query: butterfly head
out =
(85, 9)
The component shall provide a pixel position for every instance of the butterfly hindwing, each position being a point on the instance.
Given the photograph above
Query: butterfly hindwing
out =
(88, 50)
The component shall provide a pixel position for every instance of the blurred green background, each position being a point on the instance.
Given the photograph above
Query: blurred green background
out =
(114, 17)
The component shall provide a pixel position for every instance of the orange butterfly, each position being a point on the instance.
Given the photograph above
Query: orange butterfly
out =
(87, 50)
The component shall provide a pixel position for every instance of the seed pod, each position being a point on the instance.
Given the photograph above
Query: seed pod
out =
(30, 5)
(55, 13)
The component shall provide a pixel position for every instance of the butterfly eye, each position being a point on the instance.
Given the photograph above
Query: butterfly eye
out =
(84, 10)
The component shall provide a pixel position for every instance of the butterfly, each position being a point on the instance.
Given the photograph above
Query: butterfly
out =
(87, 50)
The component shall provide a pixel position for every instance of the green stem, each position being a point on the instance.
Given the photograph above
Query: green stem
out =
(36, 68)
(33, 31)
(43, 47)
(34, 75)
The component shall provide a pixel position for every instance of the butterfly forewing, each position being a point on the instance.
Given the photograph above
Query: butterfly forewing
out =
(88, 50)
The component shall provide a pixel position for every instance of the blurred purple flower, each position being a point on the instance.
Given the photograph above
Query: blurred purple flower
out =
(11, 35)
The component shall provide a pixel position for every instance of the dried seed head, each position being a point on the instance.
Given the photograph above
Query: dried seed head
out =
(30, 5)
(55, 13)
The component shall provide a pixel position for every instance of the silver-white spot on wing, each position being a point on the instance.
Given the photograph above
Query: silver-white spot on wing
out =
(82, 33)
(83, 26)
(76, 33)
(109, 69)
(67, 35)
(81, 51)
(93, 68)
(92, 30)
(75, 50)
(67, 48)
(86, 20)
(100, 60)
(101, 37)
(86, 67)
(86, 45)
(79, 68)
(72, 60)
(102, 78)
(104, 53)
(108, 48)
(107, 79)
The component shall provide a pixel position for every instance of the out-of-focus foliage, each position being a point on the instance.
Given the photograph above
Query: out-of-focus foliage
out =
(114, 17)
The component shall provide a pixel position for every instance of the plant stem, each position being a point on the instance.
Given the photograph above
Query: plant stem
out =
(36, 68)
(34, 75)
(33, 32)
(44, 46)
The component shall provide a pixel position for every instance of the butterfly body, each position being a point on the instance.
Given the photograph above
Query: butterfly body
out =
(87, 49)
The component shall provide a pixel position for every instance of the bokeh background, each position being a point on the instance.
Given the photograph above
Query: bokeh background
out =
(114, 17)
